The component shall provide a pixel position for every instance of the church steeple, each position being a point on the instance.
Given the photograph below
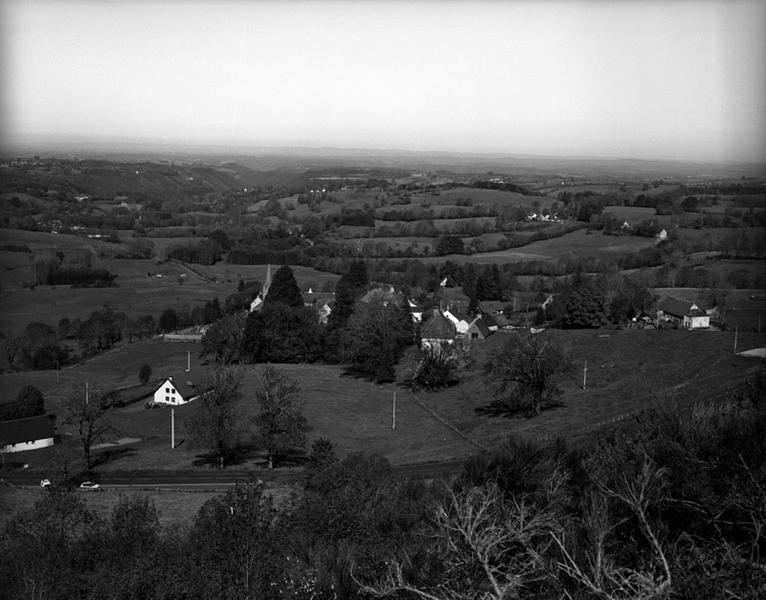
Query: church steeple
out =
(266, 283)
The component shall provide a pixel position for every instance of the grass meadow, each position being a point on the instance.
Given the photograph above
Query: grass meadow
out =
(143, 286)
(627, 370)
(578, 244)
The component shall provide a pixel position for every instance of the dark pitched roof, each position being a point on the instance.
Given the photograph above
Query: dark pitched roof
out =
(490, 320)
(674, 306)
(492, 306)
(501, 320)
(458, 314)
(26, 430)
(438, 328)
(189, 383)
(481, 326)
(317, 297)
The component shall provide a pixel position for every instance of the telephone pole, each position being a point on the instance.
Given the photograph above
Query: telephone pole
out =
(585, 374)
(393, 412)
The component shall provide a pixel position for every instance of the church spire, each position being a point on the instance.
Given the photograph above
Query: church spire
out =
(266, 283)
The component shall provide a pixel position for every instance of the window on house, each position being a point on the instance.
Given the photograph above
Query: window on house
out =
(172, 391)
(167, 390)
(167, 398)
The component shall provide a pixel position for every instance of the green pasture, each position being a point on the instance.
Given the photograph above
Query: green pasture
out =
(144, 286)
(627, 370)
(578, 244)
(631, 214)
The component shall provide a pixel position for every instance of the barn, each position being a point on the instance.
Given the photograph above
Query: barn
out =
(31, 433)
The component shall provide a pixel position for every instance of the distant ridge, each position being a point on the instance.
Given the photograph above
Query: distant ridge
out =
(272, 157)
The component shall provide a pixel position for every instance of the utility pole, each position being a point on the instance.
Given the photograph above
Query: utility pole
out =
(735, 340)
(188, 362)
(393, 412)
(172, 428)
(86, 392)
(585, 375)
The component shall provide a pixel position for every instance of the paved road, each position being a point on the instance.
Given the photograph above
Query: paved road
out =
(226, 477)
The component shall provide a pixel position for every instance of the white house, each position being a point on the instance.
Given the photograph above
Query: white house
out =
(20, 435)
(460, 321)
(180, 389)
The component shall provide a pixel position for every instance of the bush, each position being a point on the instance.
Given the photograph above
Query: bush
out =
(144, 374)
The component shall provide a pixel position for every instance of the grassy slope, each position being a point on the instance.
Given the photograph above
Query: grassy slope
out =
(577, 243)
(140, 291)
(626, 370)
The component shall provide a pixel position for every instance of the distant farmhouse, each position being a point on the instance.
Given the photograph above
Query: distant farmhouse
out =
(682, 313)
(181, 389)
(31, 433)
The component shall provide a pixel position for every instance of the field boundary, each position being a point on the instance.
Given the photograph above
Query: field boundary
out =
(444, 421)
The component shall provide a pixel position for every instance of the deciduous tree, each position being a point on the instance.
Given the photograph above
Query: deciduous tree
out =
(375, 337)
(224, 339)
(217, 415)
(280, 423)
(86, 411)
(144, 374)
(522, 374)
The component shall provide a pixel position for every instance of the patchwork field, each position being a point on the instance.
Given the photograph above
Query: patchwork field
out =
(144, 286)
(578, 243)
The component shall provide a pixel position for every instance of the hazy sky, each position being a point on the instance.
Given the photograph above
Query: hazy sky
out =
(667, 79)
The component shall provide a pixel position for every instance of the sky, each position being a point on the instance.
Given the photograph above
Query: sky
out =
(650, 79)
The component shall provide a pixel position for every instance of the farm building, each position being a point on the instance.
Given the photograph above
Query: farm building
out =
(31, 433)
(492, 307)
(478, 329)
(682, 313)
(438, 331)
(321, 302)
(415, 310)
(454, 297)
(180, 389)
(458, 319)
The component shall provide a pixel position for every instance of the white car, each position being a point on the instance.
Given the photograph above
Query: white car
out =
(45, 483)
(89, 485)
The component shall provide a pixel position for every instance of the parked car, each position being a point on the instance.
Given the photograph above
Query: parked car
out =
(90, 486)
(45, 483)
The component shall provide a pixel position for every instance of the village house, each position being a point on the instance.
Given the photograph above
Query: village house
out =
(458, 319)
(478, 329)
(438, 331)
(180, 389)
(321, 302)
(682, 313)
(21, 435)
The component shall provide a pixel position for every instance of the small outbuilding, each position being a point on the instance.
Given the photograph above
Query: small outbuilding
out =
(31, 433)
